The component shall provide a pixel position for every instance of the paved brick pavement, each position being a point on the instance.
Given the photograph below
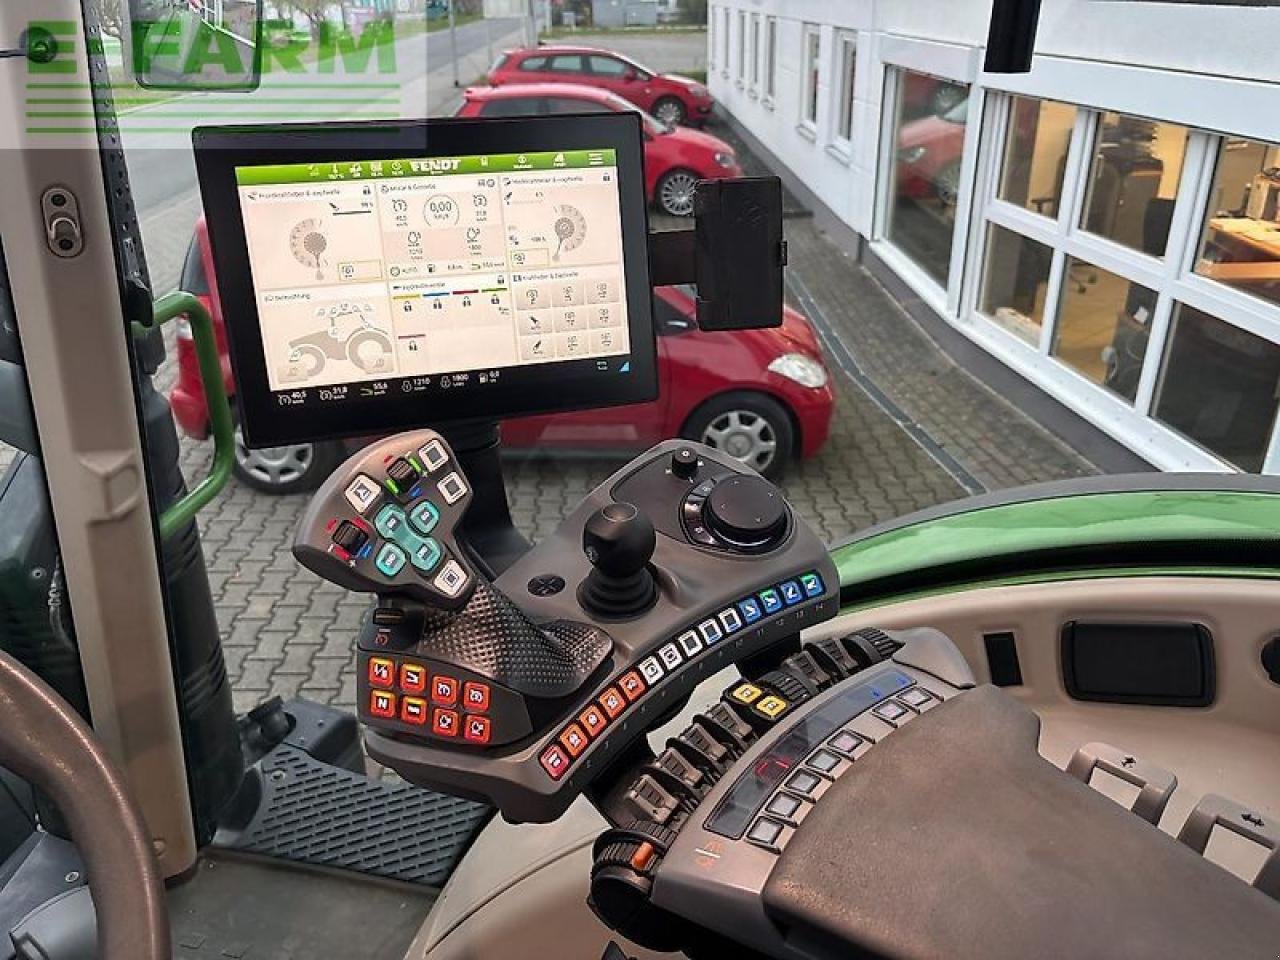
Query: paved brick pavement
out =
(912, 429)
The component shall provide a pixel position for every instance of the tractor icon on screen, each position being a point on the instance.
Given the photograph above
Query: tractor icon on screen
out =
(349, 335)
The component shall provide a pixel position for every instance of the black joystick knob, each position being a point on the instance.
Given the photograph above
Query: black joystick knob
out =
(748, 513)
(618, 540)
(684, 463)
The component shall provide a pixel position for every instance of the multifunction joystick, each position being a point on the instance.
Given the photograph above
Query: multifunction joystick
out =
(619, 541)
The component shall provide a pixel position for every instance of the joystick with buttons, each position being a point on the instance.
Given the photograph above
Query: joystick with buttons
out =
(524, 691)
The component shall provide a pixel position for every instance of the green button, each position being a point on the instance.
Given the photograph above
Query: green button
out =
(390, 560)
(424, 517)
(390, 521)
(427, 555)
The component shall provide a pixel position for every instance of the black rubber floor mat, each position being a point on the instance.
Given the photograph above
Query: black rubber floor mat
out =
(314, 813)
(237, 908)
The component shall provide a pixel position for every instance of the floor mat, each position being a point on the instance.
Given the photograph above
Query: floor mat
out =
(240, 908)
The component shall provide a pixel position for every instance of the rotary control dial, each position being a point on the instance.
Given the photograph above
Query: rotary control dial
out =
(747, 512)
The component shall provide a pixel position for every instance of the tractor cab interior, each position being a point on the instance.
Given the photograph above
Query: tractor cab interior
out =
(1041, 722)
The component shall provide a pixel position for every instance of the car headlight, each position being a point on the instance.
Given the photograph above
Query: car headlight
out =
(911, 154)
(698, 90)
(804, 370)
(726, 159)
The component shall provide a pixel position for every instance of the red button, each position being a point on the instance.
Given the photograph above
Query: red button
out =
(382, 704)
(475, 696)
(444, 691)
(413, 677)
(593, 721)
(382, 672)
(476, 729)
(613, 702)
(444, 723)
(631, 686)
(555, 762)
(574, 740)
(413, 710)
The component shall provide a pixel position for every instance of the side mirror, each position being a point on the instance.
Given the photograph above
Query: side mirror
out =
(200, 45)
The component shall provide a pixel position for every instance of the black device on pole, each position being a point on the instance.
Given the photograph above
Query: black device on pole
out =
(1011, 41)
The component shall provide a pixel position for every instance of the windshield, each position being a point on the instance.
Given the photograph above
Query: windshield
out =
(1079, 278)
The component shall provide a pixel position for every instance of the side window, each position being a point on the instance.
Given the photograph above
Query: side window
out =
(512, 107)
(566, 64)
(533, 64)
(570, 105)
(607, 66)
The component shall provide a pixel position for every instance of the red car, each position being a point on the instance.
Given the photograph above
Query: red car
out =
(762, 396)
(675, 158)
(930, 151)
(671, 98)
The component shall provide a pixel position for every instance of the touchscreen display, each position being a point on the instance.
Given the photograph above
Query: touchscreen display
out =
(396, 275)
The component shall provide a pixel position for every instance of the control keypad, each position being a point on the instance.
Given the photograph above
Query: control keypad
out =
(384, 522)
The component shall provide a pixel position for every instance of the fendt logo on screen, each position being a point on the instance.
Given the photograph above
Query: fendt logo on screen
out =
(441, 164)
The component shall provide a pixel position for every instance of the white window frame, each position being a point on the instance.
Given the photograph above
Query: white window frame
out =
(844, 93)
(753, 55)
(810, 73)
(770, 61)
(725, 41)
(951, 62)
(740, 77)
(713, 37)
(1172, 278)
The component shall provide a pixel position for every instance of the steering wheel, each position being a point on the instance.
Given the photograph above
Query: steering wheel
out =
(46, 743)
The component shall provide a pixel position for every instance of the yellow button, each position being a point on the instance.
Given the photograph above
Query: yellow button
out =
(746, 693)
(771, 707)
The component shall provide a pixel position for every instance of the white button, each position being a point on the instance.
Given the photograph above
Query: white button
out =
(433, 455)
(651, 669)
(452, 488)
(451, 579)
(670, 655)
(689, 642)
(362, 493)
(711, 631)
(730, 620)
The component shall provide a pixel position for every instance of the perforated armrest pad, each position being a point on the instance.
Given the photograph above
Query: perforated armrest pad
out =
(954, 838)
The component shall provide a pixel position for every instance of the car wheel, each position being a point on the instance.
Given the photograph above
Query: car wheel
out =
(945, 97)
(752, 428)
(293, 468)
(946, 185)
(675, 193)
(671, 111)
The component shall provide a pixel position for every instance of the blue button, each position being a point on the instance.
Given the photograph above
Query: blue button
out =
(772, 602)
(424, 517)
(750, 608)
(390, 560)
(711, 631)
(812, 584)
(389, 521)
(791, 592)
(427, 555)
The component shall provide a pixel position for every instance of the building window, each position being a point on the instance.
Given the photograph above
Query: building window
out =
(848, 68)
(1218, 387)
(742, 46)
(771, 57)
(724, 42)
(1034, 163)
(1015, 279)
(1133, 180)
(755, 51)
(926, 170)
(1241, 242)
(1104, 324)
(713, 37)
(812, 66)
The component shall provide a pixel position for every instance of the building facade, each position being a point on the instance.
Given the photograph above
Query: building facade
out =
(1108, 224)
